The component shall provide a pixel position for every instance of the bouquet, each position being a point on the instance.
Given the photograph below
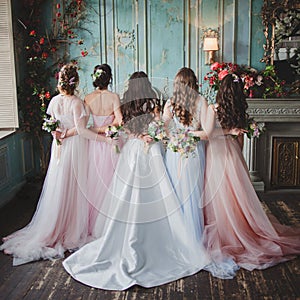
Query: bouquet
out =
(254, 129)
(114, 132)
(51, 124)
(157, 131)
(183, 142)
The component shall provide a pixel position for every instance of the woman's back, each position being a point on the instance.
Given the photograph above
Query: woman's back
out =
(102, 102)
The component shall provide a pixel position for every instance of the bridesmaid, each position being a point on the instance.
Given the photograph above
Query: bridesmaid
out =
(60, 221)
(187, 110)
(145, 240)
(104, 108)
(183, 111)
(236, 225)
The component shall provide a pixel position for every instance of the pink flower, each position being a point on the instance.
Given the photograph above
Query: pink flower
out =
(222, 74)
(215, 66)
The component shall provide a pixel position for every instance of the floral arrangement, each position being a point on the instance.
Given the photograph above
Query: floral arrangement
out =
(254, 129)
(44, 56)
(114, 133)
(157, 131)
(256, 84)
(51, 124)
(183, 142)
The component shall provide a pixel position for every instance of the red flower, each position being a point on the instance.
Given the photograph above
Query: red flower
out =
(53, 49)
(58, 6)
(222, 74)
(84, 53)
(45, 55)
(42, 41)
(58, 14)
(32, 33)
(47, 95)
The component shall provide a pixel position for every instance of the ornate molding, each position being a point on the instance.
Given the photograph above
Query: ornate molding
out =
(274, 110)
(125, 38)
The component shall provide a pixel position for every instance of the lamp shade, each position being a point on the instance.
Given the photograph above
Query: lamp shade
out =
(210, 44)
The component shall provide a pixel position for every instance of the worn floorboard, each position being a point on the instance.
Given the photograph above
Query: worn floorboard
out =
(48, 280)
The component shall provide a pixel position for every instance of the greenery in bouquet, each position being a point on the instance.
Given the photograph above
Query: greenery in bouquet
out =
(183, 141)
(51, 124)
(114, 132)
(254, 129)
(157, 130)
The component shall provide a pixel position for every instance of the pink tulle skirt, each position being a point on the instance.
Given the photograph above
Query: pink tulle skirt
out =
(236, 225)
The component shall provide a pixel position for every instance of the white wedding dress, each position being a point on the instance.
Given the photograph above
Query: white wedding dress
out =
(143, 239)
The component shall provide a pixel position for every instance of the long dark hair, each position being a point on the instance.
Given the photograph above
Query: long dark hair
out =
(185, 95)
(232, 104)
(139, 103)
(102, 76)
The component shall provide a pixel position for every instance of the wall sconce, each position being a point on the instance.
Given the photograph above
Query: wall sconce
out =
(210, 45)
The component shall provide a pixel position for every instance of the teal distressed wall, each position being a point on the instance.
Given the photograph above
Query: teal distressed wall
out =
(160, 37)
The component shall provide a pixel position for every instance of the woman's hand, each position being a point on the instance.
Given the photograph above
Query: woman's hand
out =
(237, 131)
(146, 138)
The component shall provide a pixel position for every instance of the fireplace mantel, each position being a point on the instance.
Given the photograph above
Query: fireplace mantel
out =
(282, 119)
(274, 110)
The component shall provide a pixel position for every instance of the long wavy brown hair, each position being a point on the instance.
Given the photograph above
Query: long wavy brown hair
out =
(185, 95)
(232, 104)
(139, 103)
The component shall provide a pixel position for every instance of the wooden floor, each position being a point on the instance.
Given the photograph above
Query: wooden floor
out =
(48, 280)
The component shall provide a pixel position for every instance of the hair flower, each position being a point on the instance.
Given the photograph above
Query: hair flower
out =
(97, 74)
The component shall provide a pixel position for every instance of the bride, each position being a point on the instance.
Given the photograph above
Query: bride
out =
(143, 239)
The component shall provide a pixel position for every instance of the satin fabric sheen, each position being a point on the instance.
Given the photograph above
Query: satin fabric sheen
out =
(145, 240)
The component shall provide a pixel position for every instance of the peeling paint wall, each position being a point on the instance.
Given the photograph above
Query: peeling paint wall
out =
(159, 37)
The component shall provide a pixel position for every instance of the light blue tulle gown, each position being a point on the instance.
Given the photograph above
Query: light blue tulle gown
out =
(143, 237)
(187, 175)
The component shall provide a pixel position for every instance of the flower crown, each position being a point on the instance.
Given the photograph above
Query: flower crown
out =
(70, 82)
(97, 74)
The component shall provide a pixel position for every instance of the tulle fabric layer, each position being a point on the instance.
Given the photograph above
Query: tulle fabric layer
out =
(236, 225)
(102, 160)
(60, 221)
(187, 176)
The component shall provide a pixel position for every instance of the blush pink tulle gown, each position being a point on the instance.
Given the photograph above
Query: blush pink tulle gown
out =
(60, 221)
(102, 162)
(236, 225)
